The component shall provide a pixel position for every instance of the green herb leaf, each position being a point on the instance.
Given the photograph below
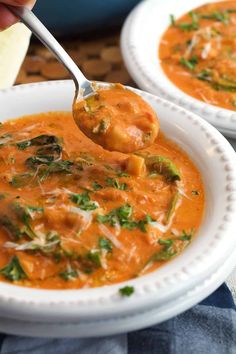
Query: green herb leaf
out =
(204, 75)
(94, 257)
(163, 255)
(123, 216)
(193, 26)
(218, 16)
(96, 186)
(191, 63)
(13, 271)
(163, 166)
(126, 290)
(83, 201)
(113, 182)
(105, 244)
(37, 141)
(102, 126)
(186, 236)
(69, 274)
(167, 243)
(122, 174)
(24, 216)
(22, 145)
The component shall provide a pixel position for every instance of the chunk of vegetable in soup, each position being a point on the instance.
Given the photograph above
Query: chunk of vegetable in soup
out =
(197, 53)
(117, 119)
(73, 215)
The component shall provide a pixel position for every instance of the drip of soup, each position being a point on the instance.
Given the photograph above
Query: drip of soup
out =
(74, 215)
(197, 53)
(117, 119)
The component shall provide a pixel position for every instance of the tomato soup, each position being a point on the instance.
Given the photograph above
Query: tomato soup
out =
(197, 53)
(117, 119)
(74, 215)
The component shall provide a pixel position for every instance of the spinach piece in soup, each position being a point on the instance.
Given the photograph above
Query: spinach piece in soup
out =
(163, 166)
(38, 141)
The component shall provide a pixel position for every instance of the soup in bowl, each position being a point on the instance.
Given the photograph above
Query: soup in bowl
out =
(105, 240)
(75, 215)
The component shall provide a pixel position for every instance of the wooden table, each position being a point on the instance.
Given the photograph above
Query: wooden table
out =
(99, 59)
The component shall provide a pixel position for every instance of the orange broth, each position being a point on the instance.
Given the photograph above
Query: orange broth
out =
(74, 215)
(197, 53)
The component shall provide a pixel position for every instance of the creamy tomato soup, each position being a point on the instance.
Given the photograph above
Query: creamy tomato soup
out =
(198, 53)
(74, 215)
(118, 119)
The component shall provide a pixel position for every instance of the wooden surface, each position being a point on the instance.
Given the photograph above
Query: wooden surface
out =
(99, 59)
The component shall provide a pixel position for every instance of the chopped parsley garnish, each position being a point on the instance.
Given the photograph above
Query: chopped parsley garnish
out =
(113, 182)
(204, 75)
(165, 253)
(168, 243)
(69, 274)
(221, 16)
(192, 26)
(96, 186)
(25, 215)
(13, 271)
(126, 290)
(105, 244)
(94, 257)
(22, 145)
(123, 216)
(122, 174)
(83, 201)
(191, 63)
(35, 209)
(186, 236)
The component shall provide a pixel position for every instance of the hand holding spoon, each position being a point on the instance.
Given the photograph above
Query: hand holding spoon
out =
(113, 116)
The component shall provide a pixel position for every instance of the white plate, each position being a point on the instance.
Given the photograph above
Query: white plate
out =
(213, 245)
(140, 40)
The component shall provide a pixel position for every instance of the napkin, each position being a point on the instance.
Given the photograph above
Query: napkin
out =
(208, 328)
(14, 43)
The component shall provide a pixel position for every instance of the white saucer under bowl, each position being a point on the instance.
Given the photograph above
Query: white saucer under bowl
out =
(140, 41)
(159, 295)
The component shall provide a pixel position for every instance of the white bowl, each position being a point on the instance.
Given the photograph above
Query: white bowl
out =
(159, 295)
(140, 41)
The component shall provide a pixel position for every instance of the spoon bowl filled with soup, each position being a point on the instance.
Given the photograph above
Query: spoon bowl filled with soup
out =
(91, 233)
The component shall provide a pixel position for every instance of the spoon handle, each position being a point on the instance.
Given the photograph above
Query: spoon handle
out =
(40, 31)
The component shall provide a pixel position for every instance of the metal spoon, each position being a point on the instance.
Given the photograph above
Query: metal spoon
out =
(40, 31)
(117, 136)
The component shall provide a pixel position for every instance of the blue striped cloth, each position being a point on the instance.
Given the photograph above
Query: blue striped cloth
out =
(208, 328)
